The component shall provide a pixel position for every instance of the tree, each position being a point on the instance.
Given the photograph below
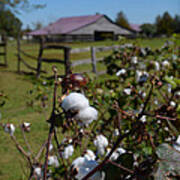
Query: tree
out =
(165, 24)
(122, 20)
(148, 29)
(10, 24)
(177, 24)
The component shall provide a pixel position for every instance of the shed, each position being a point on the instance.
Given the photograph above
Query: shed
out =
(82, 28)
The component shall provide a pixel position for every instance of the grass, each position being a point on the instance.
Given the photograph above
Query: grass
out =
(17, 86)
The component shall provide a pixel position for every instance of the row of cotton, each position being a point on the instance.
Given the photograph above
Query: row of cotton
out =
(79, 104)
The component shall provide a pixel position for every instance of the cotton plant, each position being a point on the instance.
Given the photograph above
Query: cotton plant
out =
(101, 143)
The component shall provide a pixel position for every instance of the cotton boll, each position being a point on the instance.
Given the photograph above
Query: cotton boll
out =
(127, 91)
(68, 151)
(157, 66)
(165, 63)
(53, 161)
(37, 171)
(121, 72)
(87, 115)
(101, 143)
(178, 140)
(173, 104)
(116, 153)
(177, 144)
(116, 132)
(75, 101)
(143, 119)
(134, 60)
(89, 155)
(9, 128)
(83, 166)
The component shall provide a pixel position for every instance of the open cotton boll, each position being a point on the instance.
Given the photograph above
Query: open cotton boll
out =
(116, 153)
(157, 66)
(165, 63)
(121, 72)
(37, 171)
(53, 161)
(83, 166)
(68, 151)
(9, 128)
(134, 60)
(177, 144)
(127, 91)
(101, 143)
(87, 115)
(89, 155)
(75, 101)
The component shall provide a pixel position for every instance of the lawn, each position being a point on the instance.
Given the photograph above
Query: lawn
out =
(17, 108)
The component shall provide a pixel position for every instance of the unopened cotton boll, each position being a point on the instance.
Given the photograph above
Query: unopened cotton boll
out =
(68, 151)
(53, 161)
(121, 72)
(75, 101)
(9, 128)
(87, 115)
(101, 143)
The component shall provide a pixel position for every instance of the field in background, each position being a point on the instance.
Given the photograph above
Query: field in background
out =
(17, 108)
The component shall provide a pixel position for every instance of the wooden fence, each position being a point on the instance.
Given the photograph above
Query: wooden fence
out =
(3, 51)
(67, 51)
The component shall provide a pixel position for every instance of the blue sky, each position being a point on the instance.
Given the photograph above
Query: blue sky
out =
(136, 11)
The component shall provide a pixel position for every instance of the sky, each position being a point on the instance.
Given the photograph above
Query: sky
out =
(136, 11)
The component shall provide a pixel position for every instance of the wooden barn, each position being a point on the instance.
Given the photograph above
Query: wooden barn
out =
(82, 28)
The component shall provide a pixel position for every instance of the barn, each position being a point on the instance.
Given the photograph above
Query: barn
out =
(82, 28)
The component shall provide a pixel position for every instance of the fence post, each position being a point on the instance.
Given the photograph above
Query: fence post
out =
(93, 59)
(67, 61)
(5, 51)
(39, 63)
(18, 54)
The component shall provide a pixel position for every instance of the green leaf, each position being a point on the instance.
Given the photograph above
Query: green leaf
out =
(169, 162)
(171, 81)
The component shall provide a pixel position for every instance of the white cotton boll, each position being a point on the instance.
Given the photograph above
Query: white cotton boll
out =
(84, 166)
(50, 147)
(89, 155)
(177, 147)
(121, 72)
(53, 161)
(127, 91)
(68, 151)
(87, 115)
(178, 140)
(101, 143)
(138, 75)
(116, 153)
(165, 63)
(75, 101)
(37, 171)
(169, 88)
(143, 119)
(172, 103)
(157, 66)
(134, 60)
(9, 128)
(116, 132)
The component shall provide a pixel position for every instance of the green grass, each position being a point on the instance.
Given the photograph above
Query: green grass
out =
(16, 86)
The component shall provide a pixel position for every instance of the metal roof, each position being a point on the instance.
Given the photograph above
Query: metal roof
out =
(67, 25)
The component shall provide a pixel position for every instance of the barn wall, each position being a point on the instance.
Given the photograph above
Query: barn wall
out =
(103, 24)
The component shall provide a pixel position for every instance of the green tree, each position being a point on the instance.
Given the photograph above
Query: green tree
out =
(10, 24)
(148, 29)
(122, 20)
(165, 24)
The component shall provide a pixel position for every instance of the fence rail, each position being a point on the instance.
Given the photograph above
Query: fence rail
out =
(67, 51)
(3, 51)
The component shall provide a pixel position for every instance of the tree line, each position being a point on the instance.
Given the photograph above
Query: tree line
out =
(164, 24)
